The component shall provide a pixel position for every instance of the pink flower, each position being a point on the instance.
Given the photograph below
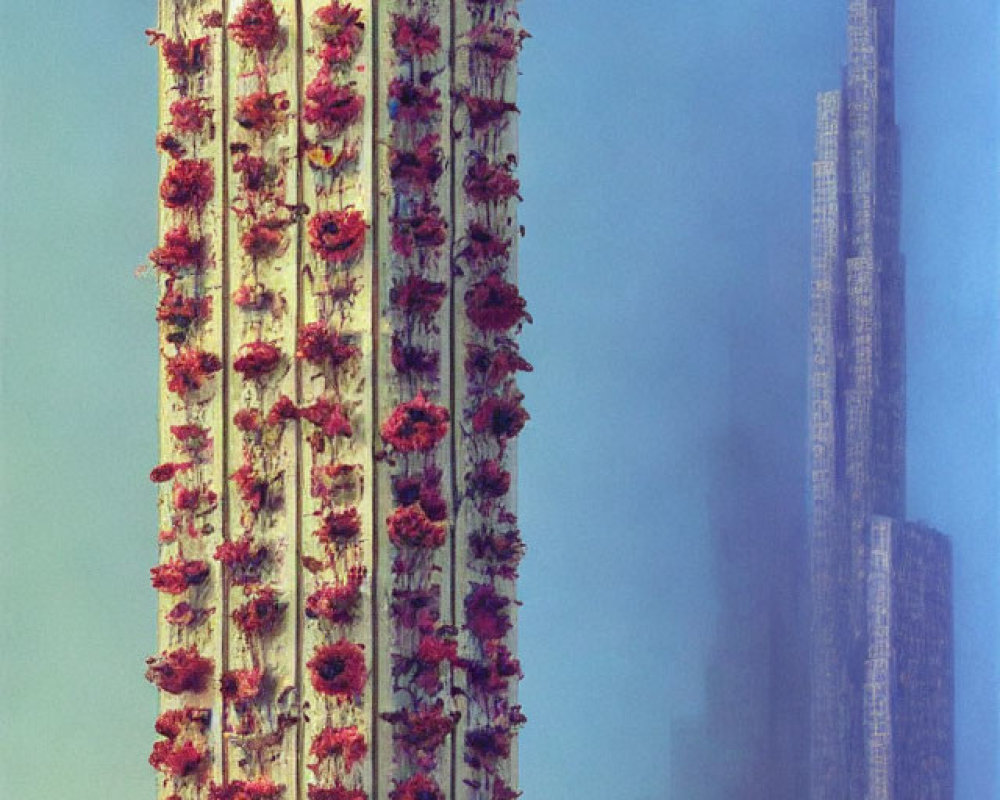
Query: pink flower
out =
(500, 550)
(189, 369)
(413, 102)
(261, 111)
(486, 182)
(414, 37)
(256, 26)
(485, 746)
(340, 28)
(338, 669)
(347, 744)
(416, 426)
(492, 674)
(494, 46)
(486, 112)
(418, 169)
(332, 107)
(486, 614)
(179, 252)
(495, 305)
(503, 417)
(410, 527)
(283, 410)
(181, 670)
(483, 246)
(189, 183)
(177, 574)
(338, 236)
(257, 359)
(189, 115)
(182, 56)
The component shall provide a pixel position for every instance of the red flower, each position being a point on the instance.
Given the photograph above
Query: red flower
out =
(254, 171)
(177, 760)
(339, 527)
(418, 169)
(417, 787)
(489, 480)
(189, 114)
(494, 46)
(322, 346)
(503, 417)
(184, 614)
(247, 420)
(189, 369)
(337, 602)
(482, 245)
(491, 675)
(410, 527)
(416, 608)
(256, 359)
(261, 614)
(485, 112)
(338, 236)
(495, 305)
(492, 367)
(265, 238)
(485, 746)
(421, 731)
(182, 57)
(243, 559)
(414, 37)
(339, 26)
(416, 426)
(501, 791)
(418, 296)
(252, 487)
(410, 359)
(256, 26)
(179, 252)
(193, 499)
(177, 574)
(191, 438)
(283, 410)
(170, 144)
(241, 685)
(486, 182)
(347, 744)
(331, 418)
(338, 669)
(262, 788)
(423, 229)
(332, 107)
(413, 102)
(181, 670)
(486, 614)
(181, 311)
(336, 792)
(500, 550)
(213, 19)
(164, 472)
(173, 723)
(261, 111)
(253, 297)
(431, 653)
(189, 183)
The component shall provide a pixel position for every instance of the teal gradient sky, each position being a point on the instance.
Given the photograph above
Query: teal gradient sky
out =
(666, 155)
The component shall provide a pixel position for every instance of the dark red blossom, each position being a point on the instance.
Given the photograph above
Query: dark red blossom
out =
(257, 359)
(486, 182)
(189, 114)
(501, 551)
(416, 426)
(485, 746)
(181, 670)
(410, 527)
(185, 615)
(414, 37)
(489, 480)
(265, 238)
(416, 296)
(319, 344)
(174, 722)
(421, 230)
(417, 787)
(495, 305)
(166, 471)
(179, 252)
(247, 420)
(338, 236)
(413, 102)
(283, 410)
(339, 527)
(177, 759)
(243, 559)
(182, 56)
(182, 311)
(193, 498)
(213, 19)
(348, 744)
(412, 359)
(261, 788)
(191, 438)
(170, 144)
(417, 169)
(189, 183)
(486, 615)
(331, 418)
(328, 482)
(487, 112)
(483, 246)
(338, 669)
(336, 792)
(241, 685)
(432, 652)
(503, 417)
(177, 574)
(337, 602)
(421, 731)
(493, 367)
(253, 488)
(416, 609)
(494, 46)
(331, 107)
(492, 674)
(253, 297)
(501, 791)
(254, 172)
(188, 370)
(255, 26)
(339, 27)
(261, 614)
(261, 111)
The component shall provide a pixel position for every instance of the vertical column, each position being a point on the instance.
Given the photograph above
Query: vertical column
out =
(879, 668)
(486, 317)
(190, 263)
(336, 354)
(258, 682)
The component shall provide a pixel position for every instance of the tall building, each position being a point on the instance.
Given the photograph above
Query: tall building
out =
(338, 408)
(881, 633)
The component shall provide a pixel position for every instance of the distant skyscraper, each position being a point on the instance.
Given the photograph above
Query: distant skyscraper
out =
(881, 639)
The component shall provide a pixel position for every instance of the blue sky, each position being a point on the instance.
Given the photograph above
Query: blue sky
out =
(666, 153)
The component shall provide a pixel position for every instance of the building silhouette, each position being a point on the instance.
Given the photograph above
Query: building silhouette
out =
(881, 723)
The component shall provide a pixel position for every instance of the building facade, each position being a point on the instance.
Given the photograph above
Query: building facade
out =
(880, 587)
